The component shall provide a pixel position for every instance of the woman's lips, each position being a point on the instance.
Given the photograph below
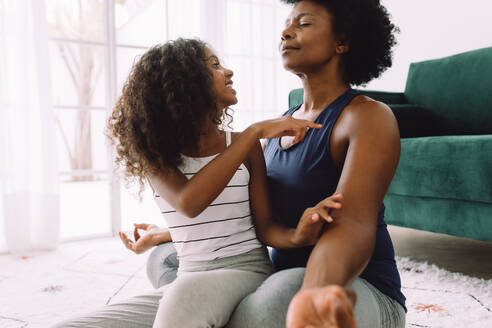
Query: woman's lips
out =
(287, 49)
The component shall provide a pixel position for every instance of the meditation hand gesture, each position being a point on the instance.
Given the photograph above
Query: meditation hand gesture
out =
(310, 225)
(325, 307)
(145, 242)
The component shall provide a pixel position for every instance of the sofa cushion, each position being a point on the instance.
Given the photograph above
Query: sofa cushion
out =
(448, 167)
(457, 89)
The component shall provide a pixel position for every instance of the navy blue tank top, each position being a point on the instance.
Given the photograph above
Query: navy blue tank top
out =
(304, 174)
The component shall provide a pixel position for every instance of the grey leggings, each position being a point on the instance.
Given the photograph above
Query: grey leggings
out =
(211, 290)
(264, 308)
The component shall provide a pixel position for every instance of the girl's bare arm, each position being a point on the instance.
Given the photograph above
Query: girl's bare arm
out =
(191, 197)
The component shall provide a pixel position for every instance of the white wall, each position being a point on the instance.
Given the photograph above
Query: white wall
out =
(433, 29)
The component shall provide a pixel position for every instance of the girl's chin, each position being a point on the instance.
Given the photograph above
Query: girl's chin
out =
(233, 101)
(228, 103)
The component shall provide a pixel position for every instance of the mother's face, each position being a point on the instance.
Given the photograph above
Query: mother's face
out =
(308, 41)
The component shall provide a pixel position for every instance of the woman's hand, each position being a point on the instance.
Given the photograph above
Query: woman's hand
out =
(309, 228)
(284, 126)
(152, 237)
(323, 307)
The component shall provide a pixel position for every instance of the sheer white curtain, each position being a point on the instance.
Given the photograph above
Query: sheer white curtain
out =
(29, 181)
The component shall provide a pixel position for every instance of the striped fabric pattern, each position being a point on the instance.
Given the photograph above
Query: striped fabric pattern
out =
(225, 228)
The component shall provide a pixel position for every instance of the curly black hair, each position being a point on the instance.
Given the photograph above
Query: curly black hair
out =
(166, 98)
(366, 26)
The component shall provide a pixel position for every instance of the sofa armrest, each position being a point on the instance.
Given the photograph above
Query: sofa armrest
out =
(296, 97)
(386, 97)
(414, 121)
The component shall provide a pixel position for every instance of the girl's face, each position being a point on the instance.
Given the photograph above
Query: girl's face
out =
(308, 41)
(222, 81)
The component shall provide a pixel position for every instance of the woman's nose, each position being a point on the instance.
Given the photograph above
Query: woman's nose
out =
(286, 34)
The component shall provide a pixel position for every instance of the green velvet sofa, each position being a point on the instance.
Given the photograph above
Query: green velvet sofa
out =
(444, 179)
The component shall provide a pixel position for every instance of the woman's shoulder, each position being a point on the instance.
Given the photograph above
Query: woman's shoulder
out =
(366, 112)
(365, 105)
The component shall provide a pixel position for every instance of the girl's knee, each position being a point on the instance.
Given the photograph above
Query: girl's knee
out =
(185, 304)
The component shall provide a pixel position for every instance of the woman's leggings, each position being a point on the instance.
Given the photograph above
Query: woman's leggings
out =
(264, 308)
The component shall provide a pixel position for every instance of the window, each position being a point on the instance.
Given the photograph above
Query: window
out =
(78, 52)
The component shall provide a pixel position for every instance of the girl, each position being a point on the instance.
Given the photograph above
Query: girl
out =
(167, 126)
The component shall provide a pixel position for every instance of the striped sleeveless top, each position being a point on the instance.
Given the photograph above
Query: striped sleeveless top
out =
(225, 228)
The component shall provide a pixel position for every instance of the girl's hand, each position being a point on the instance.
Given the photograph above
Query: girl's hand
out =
(141, 243)
(309, 228)
(284, 126)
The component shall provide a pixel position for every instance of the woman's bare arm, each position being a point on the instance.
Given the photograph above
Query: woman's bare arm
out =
(370, 133)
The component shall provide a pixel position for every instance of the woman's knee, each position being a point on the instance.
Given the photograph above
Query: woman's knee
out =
(162, 265)
(375, 309)
(267, 306)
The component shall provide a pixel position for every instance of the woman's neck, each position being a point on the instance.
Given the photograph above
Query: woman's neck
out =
(322, 87)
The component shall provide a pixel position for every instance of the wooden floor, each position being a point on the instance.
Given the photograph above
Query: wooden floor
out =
(470, 257)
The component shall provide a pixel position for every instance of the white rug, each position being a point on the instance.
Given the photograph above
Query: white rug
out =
(439, 298)
(42, 289)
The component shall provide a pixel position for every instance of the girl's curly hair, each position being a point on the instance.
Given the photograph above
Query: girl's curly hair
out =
(366, 27)
(167, 96)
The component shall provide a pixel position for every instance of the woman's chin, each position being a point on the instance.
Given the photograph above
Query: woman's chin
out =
(291, 66)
